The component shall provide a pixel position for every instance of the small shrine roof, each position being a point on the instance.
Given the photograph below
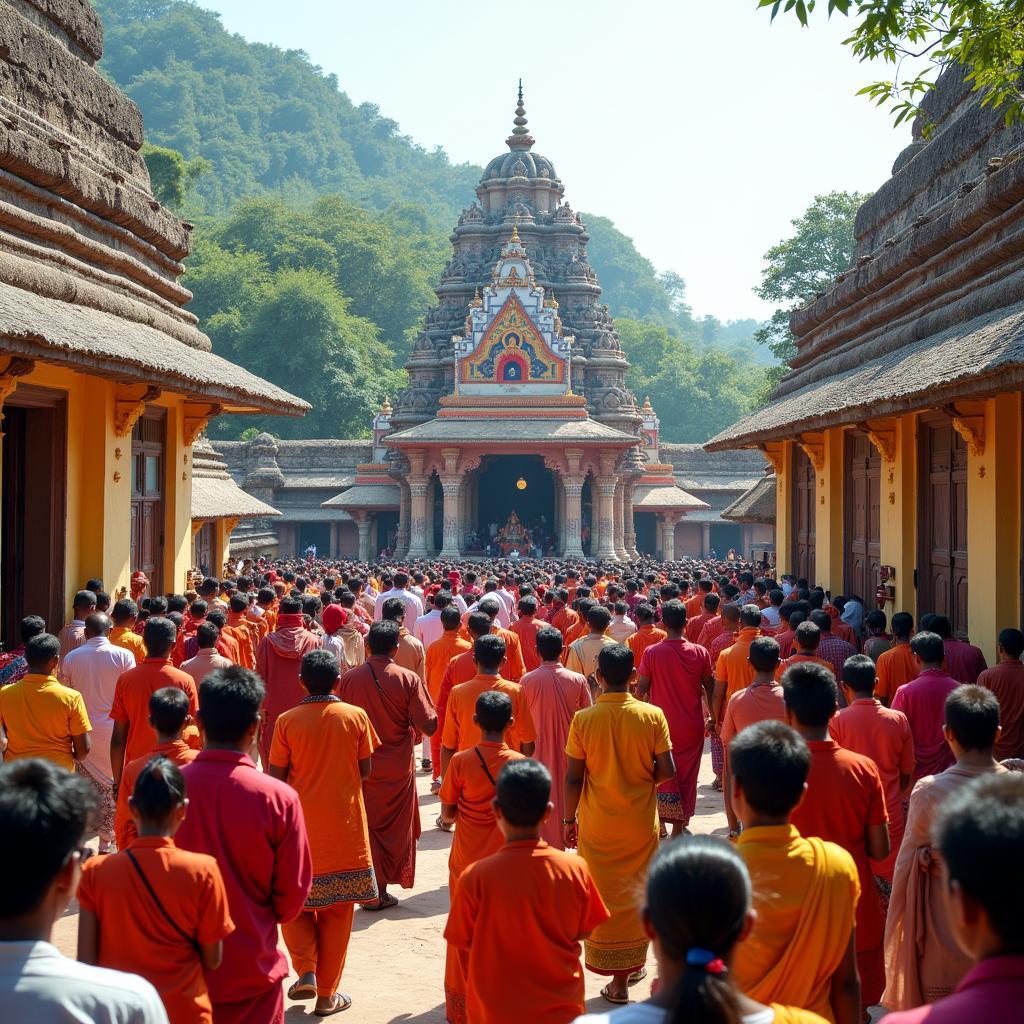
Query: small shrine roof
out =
(366, 496)
(511, 430)
(215, 495)
(652, 497)
(756, 505)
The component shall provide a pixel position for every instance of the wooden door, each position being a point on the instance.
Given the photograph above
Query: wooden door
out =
(149, 453)
(804, 516)
(862, 513)
(942, 556)
(33, 518)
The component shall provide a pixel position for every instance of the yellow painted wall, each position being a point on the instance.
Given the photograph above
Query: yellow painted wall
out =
(898, 519)
(828, 509)
(994, 525)
(177, 499)
(784, 508)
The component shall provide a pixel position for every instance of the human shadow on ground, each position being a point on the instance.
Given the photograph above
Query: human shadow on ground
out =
(432, 903)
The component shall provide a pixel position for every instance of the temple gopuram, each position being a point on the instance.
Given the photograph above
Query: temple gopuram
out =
(896, 435)
(517, 432)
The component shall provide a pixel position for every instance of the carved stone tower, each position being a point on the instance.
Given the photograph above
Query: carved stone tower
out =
(521, 188)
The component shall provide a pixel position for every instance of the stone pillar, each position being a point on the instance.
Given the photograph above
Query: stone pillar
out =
(620, 529)
(605, 520)
(429, 507)
(418, 490)
(629, 522)
(705, 539)
(451, 546)
(746, 539)
(573, 527)
(669, 521)
(363, 526)
(560, 517)
(335, 543)
(659, 535)
(404, 522)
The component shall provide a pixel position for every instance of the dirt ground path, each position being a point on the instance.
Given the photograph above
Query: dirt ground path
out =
(395, 969)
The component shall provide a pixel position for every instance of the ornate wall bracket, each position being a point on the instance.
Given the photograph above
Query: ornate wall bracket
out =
(16, 368)
(775, 453)
(814, 450)
(128, 409)
(882, 435)
(970, 426)
(195, 420)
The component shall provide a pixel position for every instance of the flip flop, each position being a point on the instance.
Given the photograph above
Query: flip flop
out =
(300, 991)
(385, 903)
(637, 976)
(616, 1000)
(339, 1002)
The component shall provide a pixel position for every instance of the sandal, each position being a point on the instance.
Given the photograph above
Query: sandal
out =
(637, 976)
(386, 902)
(300, 991)
(339, 1002)
(616, 1000)
(444, 826)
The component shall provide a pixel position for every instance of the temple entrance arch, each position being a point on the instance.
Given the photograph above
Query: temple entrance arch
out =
(515, 483)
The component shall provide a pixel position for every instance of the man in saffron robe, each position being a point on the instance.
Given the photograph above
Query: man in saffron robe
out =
(845, 804)
(278, 659)
(253, 826)
(526, 627)
(923, 961)
(647, 633)
(801, 950)
(440, 654)
(399, 707)
(619, 751)
(896, 666)
(677, 676)
(553, 695)
(709, 609)
(923, 701)
(732, 667)
(322, 749)
(467, 797)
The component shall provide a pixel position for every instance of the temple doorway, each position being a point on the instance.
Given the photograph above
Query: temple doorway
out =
(513, 490)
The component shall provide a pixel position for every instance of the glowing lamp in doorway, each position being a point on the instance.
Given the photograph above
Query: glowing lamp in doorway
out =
(521, 484)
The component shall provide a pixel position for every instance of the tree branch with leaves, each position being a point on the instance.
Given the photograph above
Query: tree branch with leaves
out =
(920, 38)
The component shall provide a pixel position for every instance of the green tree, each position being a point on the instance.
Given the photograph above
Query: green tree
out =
(920, 38)
(801, 266)
(298, 332)
(171, 175)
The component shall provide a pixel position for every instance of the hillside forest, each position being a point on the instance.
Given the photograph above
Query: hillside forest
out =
(318, 223)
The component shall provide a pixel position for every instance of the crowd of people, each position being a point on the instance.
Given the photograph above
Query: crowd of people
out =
(246, 757)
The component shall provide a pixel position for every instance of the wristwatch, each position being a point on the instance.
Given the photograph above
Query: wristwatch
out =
(568, 821)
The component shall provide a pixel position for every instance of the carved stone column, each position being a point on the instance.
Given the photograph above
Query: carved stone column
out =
(605, 545)
(451, 545)
(620, 521)
(404, 522)
(573, 528)
(629, 523)
(668, 543)
(418, 489)
(705, 539)
(363, 526)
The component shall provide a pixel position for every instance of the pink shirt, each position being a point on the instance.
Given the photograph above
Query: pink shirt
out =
(754, 703)
(677, 670)
(992, 990)
(252, 825)
(923, 701)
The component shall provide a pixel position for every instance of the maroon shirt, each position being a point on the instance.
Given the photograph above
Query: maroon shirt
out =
(923, 701)
(1006, 681)
(253, 826)
(992, 990)
(964, 661)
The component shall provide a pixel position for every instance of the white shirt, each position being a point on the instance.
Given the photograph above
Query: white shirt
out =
(93, 670)
(459, 601)
(621, 628)
(429, 628)
(40, 986)
(413, 606)
(503, 617)
(770, 615)
(646, 1013)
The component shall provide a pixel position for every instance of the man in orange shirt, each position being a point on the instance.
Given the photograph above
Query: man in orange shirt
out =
(557, 903)
(761, 701)
(132, 735)
(580, 628)
(563, 618)
(460, 731)
(462, 667)
(322, 749)
(120, 927)
(515, 667)
(467, 798)
(647, 633)
(242, 629)
(168, 715)
(696, 604)
(807, 637)
(526, 627)
(844, 804)
(1006, 681)
(709, 608)
(440, 654)
(124, 615)
(733, 670)
(896, 666)
(869, 728)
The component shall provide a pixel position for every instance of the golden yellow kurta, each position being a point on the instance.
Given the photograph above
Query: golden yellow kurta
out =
(618, 738)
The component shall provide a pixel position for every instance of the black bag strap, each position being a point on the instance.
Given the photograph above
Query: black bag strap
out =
(384, 697)
(483, 764)
(163, 910)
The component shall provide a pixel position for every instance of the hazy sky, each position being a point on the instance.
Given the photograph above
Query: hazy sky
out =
(695, 125)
